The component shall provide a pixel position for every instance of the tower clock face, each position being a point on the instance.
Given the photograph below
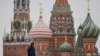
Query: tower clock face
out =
(17, 25)
(29, 25)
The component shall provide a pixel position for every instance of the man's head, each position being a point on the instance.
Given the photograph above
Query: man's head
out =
(32, 44)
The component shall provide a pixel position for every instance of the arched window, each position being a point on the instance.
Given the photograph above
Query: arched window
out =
(54, 18)
(18, 2)
(23, 2)
(66, 18)
(18, 38)
(23, 39)
(58, 18)
(12, 39)
(63, 18)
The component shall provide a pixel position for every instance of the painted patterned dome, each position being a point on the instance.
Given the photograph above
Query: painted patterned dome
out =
(89, 28)
(65, 47)
(40, 30)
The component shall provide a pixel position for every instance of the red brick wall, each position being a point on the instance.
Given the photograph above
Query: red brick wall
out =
(15, 50)
(89, 45)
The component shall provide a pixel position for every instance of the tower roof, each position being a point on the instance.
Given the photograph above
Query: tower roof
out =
(89, 28)
(61, 3)
(65, 47)
(79, 43)
(61, 6)
(40, 29)
(79, 48)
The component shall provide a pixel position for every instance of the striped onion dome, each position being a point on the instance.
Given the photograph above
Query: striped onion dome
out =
(65, 47)
(89, 28)
(40, 29)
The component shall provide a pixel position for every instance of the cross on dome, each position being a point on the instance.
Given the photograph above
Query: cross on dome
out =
(88, 6)
(40, 16)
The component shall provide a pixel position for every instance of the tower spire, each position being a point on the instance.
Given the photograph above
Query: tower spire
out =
(88, 6)
(40, 16)
(61, 2)
(79, 48)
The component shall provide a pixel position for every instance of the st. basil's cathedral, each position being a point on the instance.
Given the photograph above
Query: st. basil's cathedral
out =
(56, 40)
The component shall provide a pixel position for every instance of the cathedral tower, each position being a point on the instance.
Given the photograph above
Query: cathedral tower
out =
(61, 24)
(41, 33)
(90, 33)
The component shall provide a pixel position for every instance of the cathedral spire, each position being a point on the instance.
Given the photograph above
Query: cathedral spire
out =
(79, 50)
(62, 6)
(41, 13)
(88, 6)
(61, 2)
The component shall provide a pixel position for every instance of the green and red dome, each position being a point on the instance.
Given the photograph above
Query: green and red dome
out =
(89, 29)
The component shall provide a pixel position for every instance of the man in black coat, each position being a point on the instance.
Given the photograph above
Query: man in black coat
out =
(31, 50)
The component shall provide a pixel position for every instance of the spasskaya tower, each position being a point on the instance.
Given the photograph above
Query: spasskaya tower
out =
(17, 41)
(21, 16)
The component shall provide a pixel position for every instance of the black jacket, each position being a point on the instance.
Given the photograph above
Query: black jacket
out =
(31, 50)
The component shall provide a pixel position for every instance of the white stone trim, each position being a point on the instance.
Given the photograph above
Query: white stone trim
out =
(21, 11)
(18, 43)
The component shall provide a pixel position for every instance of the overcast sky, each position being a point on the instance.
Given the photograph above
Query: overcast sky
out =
(79, 8)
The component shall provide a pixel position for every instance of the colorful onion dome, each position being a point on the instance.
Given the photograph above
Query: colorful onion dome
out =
(40, 29)
(89, 29)
(65, 47)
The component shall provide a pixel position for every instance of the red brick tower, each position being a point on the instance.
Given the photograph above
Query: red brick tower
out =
(61, 24)
(16, 43)
(21, 9)
(22, 15)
